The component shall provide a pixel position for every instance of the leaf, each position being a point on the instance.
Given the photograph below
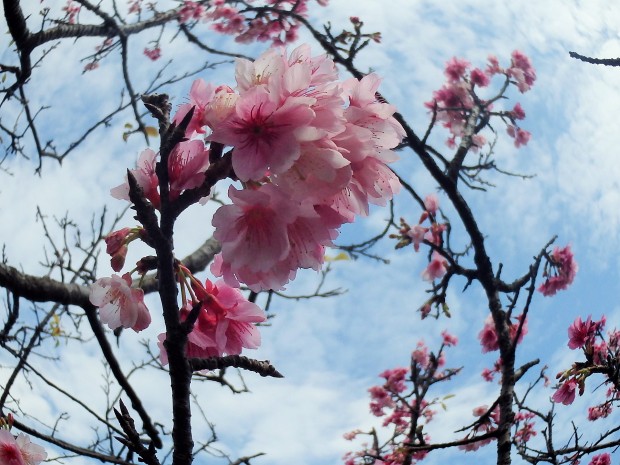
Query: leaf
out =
(128, 126)
(126, 136)
(151, 131)
(340, 256)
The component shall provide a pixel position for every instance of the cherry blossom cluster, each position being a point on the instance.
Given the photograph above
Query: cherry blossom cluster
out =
(311, 154)
(488, 421)
(267, 23)
(401, 404)
(601, 356)
(72, 10)
(187, 165)
(431, 235)
(457, 101)
(225, 323)
(18, 450)
(560, 270)
(489, 339)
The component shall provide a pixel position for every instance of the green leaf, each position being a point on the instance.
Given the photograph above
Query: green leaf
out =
(151, 131)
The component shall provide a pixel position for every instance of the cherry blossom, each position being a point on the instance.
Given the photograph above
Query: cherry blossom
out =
(581, 333)
(601, 459)
(454, 103)
(566, 393)
(488, 336)
(19, 450)
(437, 267)
(153, 53)
(187, 164)
(560, 271)
(200, 95)
(120, 304)
(308, 162)
(600, 411)
(265, 134)
(10, 453)
(449, 339)
(33, 454)
(431, 203)
(145, 177)
(521, 71)
(520, 136)
(225, 323)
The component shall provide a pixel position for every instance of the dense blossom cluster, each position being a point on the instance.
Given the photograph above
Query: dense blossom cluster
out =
(560, 270)
(601, 356)
(233, 18)
(403, 408)
(311, 153)
(457, 99)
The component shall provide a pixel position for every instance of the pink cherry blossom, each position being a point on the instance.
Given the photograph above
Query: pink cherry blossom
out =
(566, 393)
(225, 324)
(120, 304)
(153, 53)
(431, 203)
(479, 78)
(417, 234)
(449, 340)
(518, 112)
(581, 333)
(525, 433)
(601, 459)
(600, 411)
(33, 454)
(521, 71)
(319, 173)
(145, 177)
(437, 267)
(266, 135)
(19, 450)
(220, 107)
(564, 268)
(456, 68)
(395, 379)
(520, 136)
(200, 95)
(115, 240)
(116, 247)
(186, 166)
(253, 229)
(488, 374)
(380, 399)
(488, 336)
(421, 355)
(10, 453)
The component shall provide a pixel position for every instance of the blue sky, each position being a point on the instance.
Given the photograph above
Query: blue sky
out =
(331, 350)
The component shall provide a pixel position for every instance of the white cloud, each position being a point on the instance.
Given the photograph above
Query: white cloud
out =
(332, 349)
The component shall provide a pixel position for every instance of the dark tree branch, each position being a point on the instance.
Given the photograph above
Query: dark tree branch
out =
(263, 368)
(596, 61)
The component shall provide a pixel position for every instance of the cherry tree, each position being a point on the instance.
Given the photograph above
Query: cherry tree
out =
(282, 154)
